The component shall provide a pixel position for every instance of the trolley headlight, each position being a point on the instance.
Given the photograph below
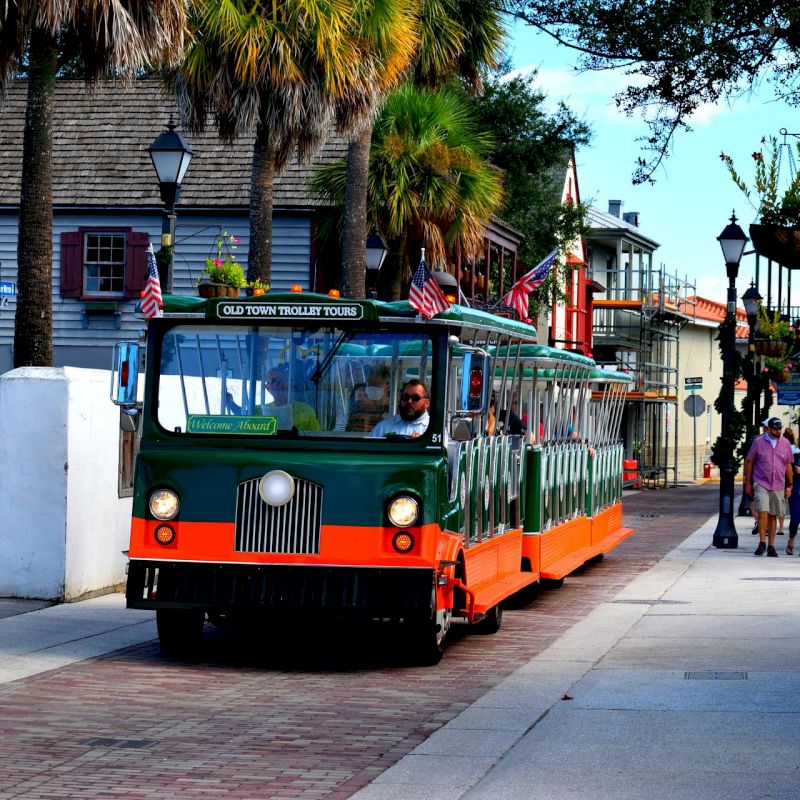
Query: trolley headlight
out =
(164, 504)
(403, 511)
(276, 488)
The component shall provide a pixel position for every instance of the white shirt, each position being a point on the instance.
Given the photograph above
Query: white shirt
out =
(397, 424)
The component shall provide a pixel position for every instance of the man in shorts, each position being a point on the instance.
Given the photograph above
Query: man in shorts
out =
(768, 477)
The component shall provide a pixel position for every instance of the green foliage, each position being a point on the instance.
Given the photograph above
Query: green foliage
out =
(771, 326)
(774, 206)
(727, 446)
(677, 56)
(532, 147)
(221, 265)
(429, 180)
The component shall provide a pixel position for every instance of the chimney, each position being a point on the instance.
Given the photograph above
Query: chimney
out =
(631, 217)
(615, 208)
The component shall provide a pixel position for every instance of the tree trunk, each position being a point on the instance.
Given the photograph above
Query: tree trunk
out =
(259, 257)
(33, 322)
(391, 277)
(354, 261)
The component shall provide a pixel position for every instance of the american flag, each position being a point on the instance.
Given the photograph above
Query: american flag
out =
(425, 294)
(152, 303)
(518, 294)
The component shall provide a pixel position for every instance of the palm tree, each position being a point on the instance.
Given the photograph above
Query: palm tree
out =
(102, 38)
(456, 37)
(392, 32)
(283, 71)
(429, 179)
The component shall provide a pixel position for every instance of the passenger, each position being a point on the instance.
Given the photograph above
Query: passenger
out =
(296, 414)
(372, 404)
(302, 414)
(413, 419)
(497, 420)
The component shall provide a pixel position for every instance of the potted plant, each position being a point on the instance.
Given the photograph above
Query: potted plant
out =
(257, 287)
(777, 234)
(779, 369)
(222, 275)
(772, 331)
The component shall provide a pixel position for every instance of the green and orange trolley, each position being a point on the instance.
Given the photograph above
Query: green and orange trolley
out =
(252, 498)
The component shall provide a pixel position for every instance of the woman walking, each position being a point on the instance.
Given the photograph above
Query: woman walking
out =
(794, 497)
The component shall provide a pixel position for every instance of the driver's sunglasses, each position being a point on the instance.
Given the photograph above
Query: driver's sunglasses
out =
(411, 398)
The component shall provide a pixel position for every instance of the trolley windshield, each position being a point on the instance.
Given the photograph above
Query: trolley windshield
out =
(303, 381)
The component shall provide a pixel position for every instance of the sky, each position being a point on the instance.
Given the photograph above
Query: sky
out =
(693, 197)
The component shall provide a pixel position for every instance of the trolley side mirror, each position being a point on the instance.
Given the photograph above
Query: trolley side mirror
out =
(125, 374)
(474, 382)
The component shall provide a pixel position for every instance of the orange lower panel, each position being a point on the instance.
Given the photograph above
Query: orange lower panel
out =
(562, 549)
(607, 530)
(339, 544)
(493, 569)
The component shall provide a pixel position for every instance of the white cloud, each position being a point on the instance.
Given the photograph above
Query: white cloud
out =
(592, 93)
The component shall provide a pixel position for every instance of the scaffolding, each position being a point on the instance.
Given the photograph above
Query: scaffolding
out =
(637, 323)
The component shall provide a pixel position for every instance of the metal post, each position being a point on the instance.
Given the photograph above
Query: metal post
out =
(725, 535)
(167, 242)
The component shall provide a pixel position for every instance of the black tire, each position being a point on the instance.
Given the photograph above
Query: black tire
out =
(428, 639)
(180, 631)
(491, 623)
(596, 559)
(552, 583)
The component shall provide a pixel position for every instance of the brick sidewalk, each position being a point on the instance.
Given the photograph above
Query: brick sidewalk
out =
(321, 720)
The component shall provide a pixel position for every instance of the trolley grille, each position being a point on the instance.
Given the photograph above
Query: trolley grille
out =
(293, 528)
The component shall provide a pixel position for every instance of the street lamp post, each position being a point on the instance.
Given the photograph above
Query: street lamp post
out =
(751, 300)
(171, 156)
(732, 241)
(375, 255)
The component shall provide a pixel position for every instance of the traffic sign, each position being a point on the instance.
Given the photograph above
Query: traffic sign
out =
(695, 405)
(687, 382)
(7, 289)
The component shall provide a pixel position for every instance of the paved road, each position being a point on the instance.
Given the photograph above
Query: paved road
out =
(257, 719)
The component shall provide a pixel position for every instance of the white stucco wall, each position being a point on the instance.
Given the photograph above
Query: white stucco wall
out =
(64, 528)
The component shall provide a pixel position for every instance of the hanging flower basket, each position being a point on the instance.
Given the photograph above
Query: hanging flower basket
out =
(767, 347)
(211, 290)
(779, 376)
(778, 243)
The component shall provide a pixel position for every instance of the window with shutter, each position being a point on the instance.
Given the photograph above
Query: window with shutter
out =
(103, 263)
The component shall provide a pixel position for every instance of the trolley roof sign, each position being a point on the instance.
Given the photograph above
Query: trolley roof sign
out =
(288, 310)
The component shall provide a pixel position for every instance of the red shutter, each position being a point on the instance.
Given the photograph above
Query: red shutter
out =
(71, 266)
(136, 263)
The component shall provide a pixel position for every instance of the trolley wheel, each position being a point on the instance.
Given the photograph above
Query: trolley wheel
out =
(428, 639)
(180, 631)
(491, 622)
(596, 559)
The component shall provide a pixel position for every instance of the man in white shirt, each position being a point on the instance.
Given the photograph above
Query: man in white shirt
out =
(413, 418)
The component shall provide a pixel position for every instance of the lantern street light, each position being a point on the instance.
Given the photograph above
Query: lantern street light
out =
(751, 300)
(171, 156)
(732, 240)
(376, 254)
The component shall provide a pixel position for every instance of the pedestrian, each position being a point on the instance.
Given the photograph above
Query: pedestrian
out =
(794, 497)
(768, 480)
(763, 432)
(788, 434)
